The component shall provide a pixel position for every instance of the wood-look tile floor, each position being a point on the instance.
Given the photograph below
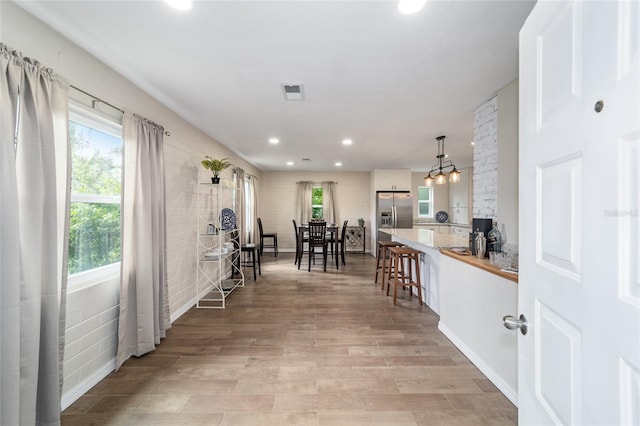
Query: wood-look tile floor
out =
(300, 348)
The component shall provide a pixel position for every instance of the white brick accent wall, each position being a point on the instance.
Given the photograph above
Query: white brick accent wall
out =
(485, 160)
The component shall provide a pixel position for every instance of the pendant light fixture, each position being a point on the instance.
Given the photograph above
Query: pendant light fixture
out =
(437, 173)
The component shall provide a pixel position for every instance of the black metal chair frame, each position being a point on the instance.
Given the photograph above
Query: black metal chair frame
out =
(317, 238)
(263, 235)
(300, 240)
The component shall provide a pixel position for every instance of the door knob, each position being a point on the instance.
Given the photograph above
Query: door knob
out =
(512, 323)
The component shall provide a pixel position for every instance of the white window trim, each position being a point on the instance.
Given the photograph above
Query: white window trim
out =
(81, 114)
(430, 202)
(93, 276)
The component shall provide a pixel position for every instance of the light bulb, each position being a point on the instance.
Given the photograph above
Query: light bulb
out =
(454, 176)
(408, 7)
(428, 181)
(180, 4)
(441, 179)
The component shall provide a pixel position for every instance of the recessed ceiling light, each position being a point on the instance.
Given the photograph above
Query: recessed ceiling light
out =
(347, 141)
(338, 164)
(408, 7)
(274, 140)
(289, 163)
(472, 143)
(180, 4)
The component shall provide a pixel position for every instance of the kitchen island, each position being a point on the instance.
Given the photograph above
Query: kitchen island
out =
(471, 297)
(429, 243)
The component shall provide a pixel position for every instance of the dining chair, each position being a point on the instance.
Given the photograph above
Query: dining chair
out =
(263, 235)
(300, 240)
(341, 243)
(317, 239)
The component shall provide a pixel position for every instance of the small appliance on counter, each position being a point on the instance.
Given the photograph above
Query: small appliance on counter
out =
(479, 225)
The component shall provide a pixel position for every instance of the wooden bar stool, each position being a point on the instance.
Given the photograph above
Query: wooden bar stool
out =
(402, 260)
(382, 256)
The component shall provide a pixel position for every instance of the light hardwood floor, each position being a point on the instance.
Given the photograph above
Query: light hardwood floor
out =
(300, 348)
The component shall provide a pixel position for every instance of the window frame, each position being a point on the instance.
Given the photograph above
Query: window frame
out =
(85, 116)
(429, 202)
(317, 206)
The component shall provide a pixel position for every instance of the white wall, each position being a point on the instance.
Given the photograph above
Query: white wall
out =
(472, 304)
(183, 151)
(440, 195)
(276, 203)
(508, 163)
(495, 159)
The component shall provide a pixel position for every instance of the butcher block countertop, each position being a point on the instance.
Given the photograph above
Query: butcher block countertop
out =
(480, 263)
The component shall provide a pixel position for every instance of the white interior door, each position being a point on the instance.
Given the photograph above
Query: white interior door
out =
(579, 284)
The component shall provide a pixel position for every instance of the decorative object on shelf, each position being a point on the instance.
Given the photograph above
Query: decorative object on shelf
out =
(481, 244)
(440, 177)
(442, 216)
(227, 219)
(215, 166)
(494, 238)
(361, 222)
(211, 230)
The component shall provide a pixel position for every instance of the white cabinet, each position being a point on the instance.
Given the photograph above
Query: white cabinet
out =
(218, 247)
(460, 198)
(392, 179)
(459, 193)
(460, 230)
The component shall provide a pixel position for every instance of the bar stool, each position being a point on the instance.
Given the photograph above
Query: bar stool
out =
(382, 255)
(400, 261)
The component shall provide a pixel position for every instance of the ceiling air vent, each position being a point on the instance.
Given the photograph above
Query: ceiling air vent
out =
(293, 92)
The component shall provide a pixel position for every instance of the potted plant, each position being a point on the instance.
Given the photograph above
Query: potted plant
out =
(361, 222)
(215, 166)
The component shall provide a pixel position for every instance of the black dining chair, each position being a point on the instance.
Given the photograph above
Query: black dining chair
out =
(251, 251)
(341, 243)
(317, 239)
(263, 235)
(301, 238)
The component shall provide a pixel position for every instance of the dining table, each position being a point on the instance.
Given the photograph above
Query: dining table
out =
(332, 229)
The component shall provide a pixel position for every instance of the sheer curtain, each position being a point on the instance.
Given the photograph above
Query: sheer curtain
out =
(144, 304)
(328, 202)
(241, 212)
(303, 202)
(254, 210)
(34, 223)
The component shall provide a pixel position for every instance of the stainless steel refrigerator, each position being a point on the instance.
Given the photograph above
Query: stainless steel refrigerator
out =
(394, 209)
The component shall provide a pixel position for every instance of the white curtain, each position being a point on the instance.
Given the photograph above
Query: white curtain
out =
(254, 210)
(241, 204)
(303, 202)
(144, 305)
(328, 202)
(34, 223)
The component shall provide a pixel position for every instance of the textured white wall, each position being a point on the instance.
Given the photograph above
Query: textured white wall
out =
(90, 320)
(485, 160)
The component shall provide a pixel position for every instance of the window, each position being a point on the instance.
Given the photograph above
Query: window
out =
(425, 201)
(96, 171)
(316, 202)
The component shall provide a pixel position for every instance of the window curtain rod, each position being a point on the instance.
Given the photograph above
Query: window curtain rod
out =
(326, 181)
(245, 172)
(97, 99)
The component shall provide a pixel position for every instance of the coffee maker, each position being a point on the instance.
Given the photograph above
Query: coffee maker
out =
(479, 225)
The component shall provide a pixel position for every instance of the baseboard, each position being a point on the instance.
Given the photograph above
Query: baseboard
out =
(83, 387)
(504, 387)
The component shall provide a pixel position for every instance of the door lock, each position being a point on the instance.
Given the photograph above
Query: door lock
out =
(512, 323)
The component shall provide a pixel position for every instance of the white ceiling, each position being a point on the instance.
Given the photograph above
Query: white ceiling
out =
(390, 82)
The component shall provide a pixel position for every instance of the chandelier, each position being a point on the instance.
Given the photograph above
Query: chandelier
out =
(437, 172)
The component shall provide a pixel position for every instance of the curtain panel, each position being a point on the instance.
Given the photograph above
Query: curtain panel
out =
(144, 305)
(303, 202)
(241, 205)
(253, 238)
(34, 223)
(328, 202)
